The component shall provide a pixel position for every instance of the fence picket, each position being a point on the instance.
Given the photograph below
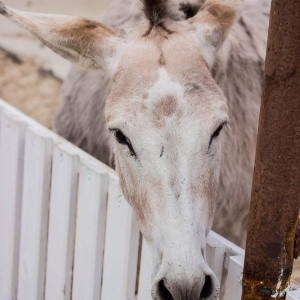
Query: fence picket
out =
(90, 232)
(233, 282)
(12, 133)
(144, 291)
(293, 295)
(230, 248)
(34, 220)
(61, 224)
(121, 247)
(215, 255)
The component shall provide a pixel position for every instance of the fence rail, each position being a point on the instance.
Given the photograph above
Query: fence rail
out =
(66, 231)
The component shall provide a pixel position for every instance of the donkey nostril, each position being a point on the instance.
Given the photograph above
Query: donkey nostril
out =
(207, 288)
(186, 286)
(163, 292)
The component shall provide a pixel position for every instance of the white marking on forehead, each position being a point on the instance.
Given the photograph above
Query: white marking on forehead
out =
(165, 86)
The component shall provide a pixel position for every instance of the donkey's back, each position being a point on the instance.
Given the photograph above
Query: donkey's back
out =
(238, 71)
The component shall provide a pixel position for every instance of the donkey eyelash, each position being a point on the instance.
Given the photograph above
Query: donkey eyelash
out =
(123, 140)
(217, 133)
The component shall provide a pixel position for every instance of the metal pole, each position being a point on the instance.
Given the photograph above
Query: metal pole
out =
(275, 198)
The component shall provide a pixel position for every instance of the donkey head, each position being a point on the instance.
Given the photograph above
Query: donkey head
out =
(165, 114)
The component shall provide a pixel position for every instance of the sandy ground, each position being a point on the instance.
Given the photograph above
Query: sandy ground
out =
(25, 84)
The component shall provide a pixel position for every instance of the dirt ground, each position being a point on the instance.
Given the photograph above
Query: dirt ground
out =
(25, 84)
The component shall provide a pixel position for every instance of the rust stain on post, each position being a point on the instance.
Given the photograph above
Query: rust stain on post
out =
(275, 197)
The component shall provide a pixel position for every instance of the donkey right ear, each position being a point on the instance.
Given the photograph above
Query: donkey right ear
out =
(213, 23)
(89, 43)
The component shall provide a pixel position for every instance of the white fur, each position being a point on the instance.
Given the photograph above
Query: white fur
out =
(165, 86)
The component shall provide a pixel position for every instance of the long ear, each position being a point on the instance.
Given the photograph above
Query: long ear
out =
(214, 21)
(89, 43)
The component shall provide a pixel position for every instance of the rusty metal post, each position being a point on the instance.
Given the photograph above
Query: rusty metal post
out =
(275, 197)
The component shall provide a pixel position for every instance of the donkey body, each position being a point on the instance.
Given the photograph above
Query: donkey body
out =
(238, 70)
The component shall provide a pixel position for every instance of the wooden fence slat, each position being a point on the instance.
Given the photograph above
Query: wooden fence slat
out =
(215, 239)
(145, 284)
(62, 216)
(233, 283)
(12, 134)
(121, 247)
(90, 234)
(34, 220)
(215, 256)
(293, 295)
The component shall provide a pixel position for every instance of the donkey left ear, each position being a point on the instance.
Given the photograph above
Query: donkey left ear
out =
(89, 43)
(214, 21)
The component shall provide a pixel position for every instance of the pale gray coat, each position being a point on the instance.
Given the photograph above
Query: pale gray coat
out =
(238, 70)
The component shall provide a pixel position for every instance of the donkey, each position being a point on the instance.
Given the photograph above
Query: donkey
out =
(171, 79)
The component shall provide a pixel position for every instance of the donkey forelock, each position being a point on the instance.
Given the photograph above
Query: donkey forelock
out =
(158, 11)
(155, 11)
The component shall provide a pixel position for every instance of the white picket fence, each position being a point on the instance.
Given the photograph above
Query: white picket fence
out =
(66, 231)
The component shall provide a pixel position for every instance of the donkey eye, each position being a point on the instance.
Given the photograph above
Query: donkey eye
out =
(216, 133)
(122, 139)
